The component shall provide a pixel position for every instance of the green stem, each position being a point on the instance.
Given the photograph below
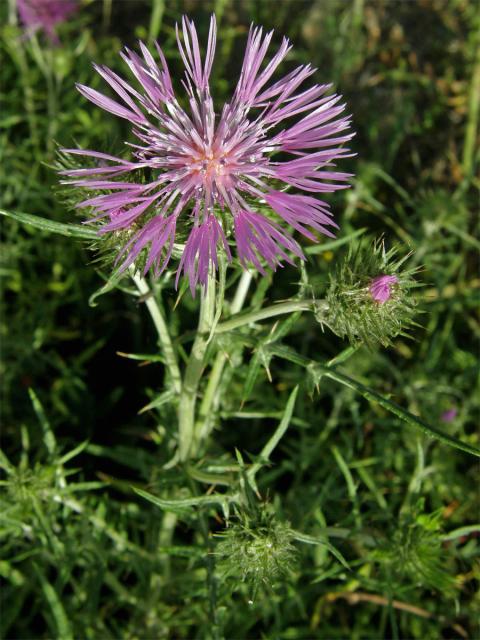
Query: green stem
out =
(19, 57)
(158, 8)
(193, 372)
(470, 144)
(106, 14)
(269, 312)
(164, 339)
(220, 361)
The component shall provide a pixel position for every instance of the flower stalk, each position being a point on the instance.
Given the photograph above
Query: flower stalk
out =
(164, 339)
(278, 309)
(210, 397)
(193, 372)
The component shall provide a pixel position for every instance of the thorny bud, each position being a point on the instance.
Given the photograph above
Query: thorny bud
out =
(414, 549)
(369, 298)
(256, 549)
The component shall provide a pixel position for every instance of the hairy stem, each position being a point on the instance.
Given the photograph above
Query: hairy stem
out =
(209, 397)
(193, 372)
(164, 339)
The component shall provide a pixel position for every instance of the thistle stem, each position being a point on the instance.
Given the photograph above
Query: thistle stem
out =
(269, 312)
(164, 339)
(468, 160)
(193, 372)
(219, 363)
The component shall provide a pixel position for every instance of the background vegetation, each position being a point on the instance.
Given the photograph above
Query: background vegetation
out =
(83, 556)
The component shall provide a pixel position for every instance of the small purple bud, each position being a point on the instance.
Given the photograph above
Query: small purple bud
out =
(380, 288)
(449, 415)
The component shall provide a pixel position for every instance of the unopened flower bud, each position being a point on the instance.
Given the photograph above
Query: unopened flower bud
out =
(369, 298)
(256, 550)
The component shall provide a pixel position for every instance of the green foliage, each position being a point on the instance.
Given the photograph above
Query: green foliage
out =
(373, 523)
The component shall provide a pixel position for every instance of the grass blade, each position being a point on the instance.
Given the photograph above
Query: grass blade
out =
(48, 437)
(60, 617)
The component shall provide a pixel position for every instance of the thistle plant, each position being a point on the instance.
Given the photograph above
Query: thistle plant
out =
(214, 199)
(208, 190)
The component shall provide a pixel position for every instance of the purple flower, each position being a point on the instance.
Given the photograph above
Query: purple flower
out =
(449, 415)
(45, 14)
(219, 173)
(380, 288)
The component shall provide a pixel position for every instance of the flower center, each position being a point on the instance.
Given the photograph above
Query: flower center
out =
(209, 165)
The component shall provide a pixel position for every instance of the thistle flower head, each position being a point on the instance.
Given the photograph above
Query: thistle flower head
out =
(209, 172)
(45, 14)
(414, 550)
(369, 298)
(257, 550)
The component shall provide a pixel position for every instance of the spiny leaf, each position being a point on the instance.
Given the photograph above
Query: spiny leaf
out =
(370, 394)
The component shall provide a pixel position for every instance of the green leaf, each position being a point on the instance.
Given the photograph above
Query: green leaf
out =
(163, 398)
(461, 531)
(276, 436)
(51, 226)
(5, 463)
(144, 357)
(181, 504)
(74, 452)
(254, 367)
(112, 283)
(48, 437)
(328, 246)
(60, 617)
(303, 537)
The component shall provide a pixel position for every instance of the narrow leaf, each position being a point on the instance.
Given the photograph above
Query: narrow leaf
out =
(370, 394)
(334, 244)
(111, 284)
(277, 435)
(303, 537)
(48, 437)
(163, 398)
(198, 501)
(60, 617)
(51, 226)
